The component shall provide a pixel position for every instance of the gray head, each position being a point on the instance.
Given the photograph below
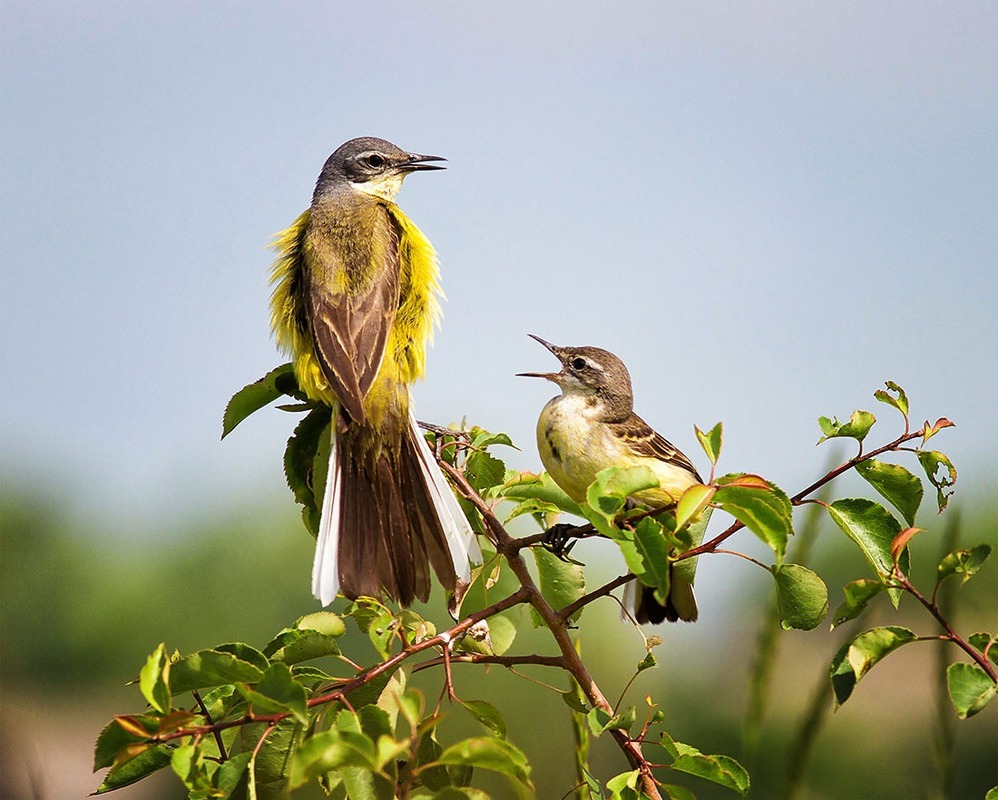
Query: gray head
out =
(370, 165)
(592, 371)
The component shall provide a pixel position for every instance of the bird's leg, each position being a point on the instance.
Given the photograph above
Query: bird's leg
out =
(560, 539)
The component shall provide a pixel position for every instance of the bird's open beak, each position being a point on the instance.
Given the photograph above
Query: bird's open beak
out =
(551, 376)
(417, 163)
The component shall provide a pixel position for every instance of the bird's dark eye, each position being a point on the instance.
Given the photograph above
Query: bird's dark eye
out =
(578, 363)
(375, 161)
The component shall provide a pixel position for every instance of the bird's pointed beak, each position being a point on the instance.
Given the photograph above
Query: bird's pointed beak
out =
(418, 163)
(550, 376)
(553, 348)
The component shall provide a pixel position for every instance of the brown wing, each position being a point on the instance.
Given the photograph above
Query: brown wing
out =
(352, 301)
(645, 441)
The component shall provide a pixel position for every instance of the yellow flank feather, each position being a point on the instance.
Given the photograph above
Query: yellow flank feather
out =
(412, 330)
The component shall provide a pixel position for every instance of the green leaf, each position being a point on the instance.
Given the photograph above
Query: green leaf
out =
(310, 436)
(230, 774)
(722, 770)
(970, 688)
(608, 494)
(277, 692)
(488, 715)
(896, 485)
(244, 652)
(187, 762)
(801, 597)
(711, 441)
(653, 567)
(322, 621)
(496, 755)
(873, 528)
(992, 794)
(525, 486)
(267, 773)
(932, 462)
(484, 471)
(255, 396)
(154, 680)
(900, 402)
(118, 734)
(859, 655)
(963, 562)
(692, 502)
(561, 583)
(857, 427)
(207, 668)
(135, 769)
(857, 595)
(761, 506)
(330, 750)
(985, 642)
(293, 646)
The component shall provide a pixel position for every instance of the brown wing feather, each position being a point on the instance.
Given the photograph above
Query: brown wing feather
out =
(351, 328)
(645, 441)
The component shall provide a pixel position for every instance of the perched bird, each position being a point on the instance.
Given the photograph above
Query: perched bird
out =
(591, 426)
(356, 296)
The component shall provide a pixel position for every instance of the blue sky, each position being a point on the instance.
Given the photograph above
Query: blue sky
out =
(765, 209)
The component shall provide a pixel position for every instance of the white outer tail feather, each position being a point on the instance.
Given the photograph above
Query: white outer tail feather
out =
(325, 567)
(461, 539)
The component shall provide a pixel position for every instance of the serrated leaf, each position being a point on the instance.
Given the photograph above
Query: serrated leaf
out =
(244, 652)
(573, 701)
(484, 471)
(488, 715)
(857, 427)
(963, 562)
(482, 439)
(858, 656)
(722, 770)
(941, 474)
(899, 399)
(761, 506)
(207, 668)
(496, 755)
(895, 484)
(692, 502)
(607, 496)
(277, 692)
(857, 595)
(229, 775)
(147, 762)
(528, 486)
(928, 431)
(711, 441)
(985, 642)
(267, 772)
(322, 621)
(300, 455)
(327, 751)
(118, 734)
(255, 396)
(653, 567)
(801, 597)
(154, 680)
(294, 646)
(970, 688)
(561, 583)
(873, 528)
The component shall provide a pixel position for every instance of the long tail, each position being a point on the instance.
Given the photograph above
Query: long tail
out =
(386, 519)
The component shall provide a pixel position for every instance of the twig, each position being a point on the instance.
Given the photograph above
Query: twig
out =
(207, 716)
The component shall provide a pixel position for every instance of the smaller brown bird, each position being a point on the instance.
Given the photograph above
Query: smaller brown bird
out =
(591, 426)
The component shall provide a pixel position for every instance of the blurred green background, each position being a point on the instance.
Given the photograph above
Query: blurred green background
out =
(86, 600)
